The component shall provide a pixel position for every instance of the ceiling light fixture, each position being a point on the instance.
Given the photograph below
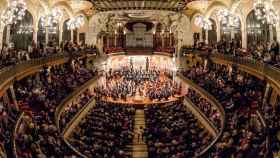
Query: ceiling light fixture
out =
(76, 22)
(228, 19)
(202, 22)
(25, 29)
(52, 18)
(15, 12)
(265, 12)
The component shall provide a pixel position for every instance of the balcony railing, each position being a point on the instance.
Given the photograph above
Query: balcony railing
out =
(266, 71)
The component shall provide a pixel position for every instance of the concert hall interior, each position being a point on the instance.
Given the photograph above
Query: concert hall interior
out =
(139, 79)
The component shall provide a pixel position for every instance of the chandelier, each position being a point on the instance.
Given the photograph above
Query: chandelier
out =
(25, 29)
(228, 19)
(265, 12)
(201, 22)
(76, 22)
(14, 12)
(52, 18)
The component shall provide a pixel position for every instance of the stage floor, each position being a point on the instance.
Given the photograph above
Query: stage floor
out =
(142, 101)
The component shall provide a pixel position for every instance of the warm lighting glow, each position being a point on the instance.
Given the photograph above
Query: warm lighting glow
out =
(76, 22)
(52, 18)
(265, 12)
(25, 29)
(228, 19)
(203, 23)
(14, 13)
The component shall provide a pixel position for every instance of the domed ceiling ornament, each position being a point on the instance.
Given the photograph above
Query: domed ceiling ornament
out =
(15, 12)
(265, 12)
(109, 5)
(202, 22)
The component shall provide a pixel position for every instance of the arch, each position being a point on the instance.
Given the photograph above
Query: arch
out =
(194, 28)
(66, 34)
(214, 6)
(22, 41)
(64, 5)
(258, 32)
(212, 34)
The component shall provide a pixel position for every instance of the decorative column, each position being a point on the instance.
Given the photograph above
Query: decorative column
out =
(278, 33)
(218, 31)
(206, 37)
(271, 33)
(72, 36)
(47, 35)
(232, 34)
(162, 40)
(78, 36)
(244, 35)
(170, 40)
(60, 32)
(8, 34)
(35, 29)
(200, 35)
(1, 35)
(35, 33)
(115, 39)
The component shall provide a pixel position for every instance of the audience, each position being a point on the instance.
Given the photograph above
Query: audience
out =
(73, 107)
(173, 132)
(209, 110)
(105, 131)
(39, 96)
(241, 97)
(13, 56)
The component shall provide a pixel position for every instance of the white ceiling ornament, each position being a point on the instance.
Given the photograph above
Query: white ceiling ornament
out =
(265, 12)
(76, 22)
(52, 18)
(15, 12)
(228, 19)
(203, 23)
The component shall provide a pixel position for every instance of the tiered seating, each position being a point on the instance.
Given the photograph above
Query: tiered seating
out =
(241, 97)
(173, 132)
(105, 132)
(209, 110)
(39, 136)
(74, 107)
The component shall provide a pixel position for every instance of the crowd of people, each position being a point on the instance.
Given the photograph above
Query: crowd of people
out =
(128, 82)
(263, 52)
(8, 116)
(174, 132)
(209, 110)
(72, 108)
(10, 56)
(38, 96)
(241, 95)
(106, 131)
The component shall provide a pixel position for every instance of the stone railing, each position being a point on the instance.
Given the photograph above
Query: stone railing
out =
(61, 108)
(9, 74)
(260, 70)
(26, 68)
(15, 133)
(214, 102)
(74, 123)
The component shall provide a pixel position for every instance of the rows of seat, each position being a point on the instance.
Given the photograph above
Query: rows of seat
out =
(241, 96)
(105, 131)
(173, 131)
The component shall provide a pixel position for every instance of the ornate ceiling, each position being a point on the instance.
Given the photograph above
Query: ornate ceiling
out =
(110, 5)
